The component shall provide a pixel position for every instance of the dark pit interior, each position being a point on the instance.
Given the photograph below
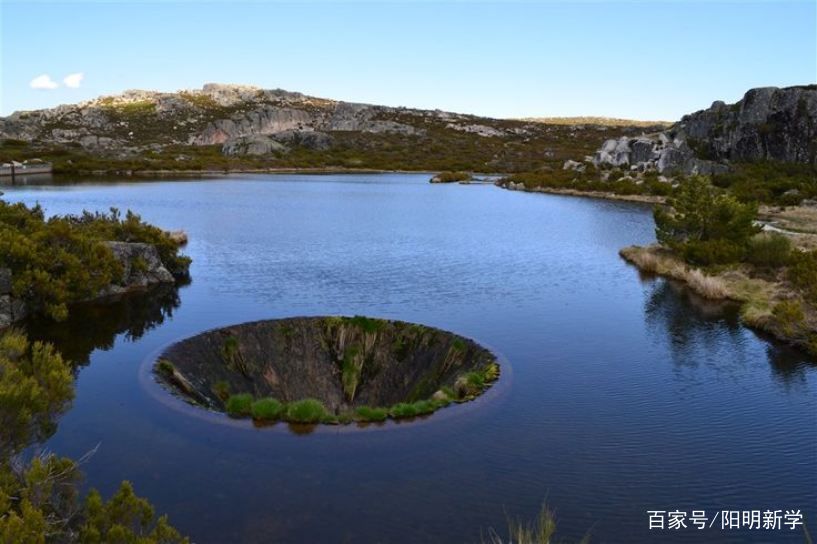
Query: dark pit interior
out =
(343, 362)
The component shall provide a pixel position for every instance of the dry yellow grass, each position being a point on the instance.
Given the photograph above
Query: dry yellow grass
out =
(656, 261)
(798, 222)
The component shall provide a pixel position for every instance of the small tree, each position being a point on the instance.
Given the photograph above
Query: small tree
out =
(705, 225)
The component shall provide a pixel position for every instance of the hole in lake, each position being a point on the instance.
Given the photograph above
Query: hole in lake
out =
(332, 370)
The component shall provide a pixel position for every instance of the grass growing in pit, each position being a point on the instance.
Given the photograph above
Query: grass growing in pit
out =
(267, 409)
(306, 411)
(403, 410)
(367, 413)
(165, 367)
(239, 405)
(222, 390)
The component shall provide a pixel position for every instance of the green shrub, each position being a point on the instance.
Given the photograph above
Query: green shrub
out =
(367, 413)
(803, 273)
(267, 409)
(239, 405)
(705, 225)
(60, 260)
(769, 250)
(306, 411)
(711, 252)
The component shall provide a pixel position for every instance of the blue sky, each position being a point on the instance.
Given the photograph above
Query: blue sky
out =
(635, 59)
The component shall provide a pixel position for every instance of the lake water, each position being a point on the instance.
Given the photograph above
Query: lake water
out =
(624, 393)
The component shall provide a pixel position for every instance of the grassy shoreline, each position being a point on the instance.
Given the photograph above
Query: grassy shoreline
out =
(767, 304)
(604, 195)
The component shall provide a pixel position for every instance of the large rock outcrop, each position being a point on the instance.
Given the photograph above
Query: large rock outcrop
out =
(242, 119)
(767, 124)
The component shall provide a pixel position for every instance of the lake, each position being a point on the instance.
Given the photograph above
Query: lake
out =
(620, 393)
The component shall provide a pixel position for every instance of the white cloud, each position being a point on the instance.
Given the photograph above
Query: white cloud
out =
(73, 80)
(43, 82)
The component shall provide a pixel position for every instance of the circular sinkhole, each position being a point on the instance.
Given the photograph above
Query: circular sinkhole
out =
(332, 370)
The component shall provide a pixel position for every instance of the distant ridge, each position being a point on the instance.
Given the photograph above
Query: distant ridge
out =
(598, 121)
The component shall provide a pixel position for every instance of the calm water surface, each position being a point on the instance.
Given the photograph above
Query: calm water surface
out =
(626, 394)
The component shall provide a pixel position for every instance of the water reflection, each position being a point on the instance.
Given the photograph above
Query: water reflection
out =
(93, 326)
(697, 329)
(789, 366)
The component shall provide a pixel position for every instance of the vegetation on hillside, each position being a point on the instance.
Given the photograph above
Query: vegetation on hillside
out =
(764, 182)
(40, 498)
(770, 182)
(434, 147)
(59, 260)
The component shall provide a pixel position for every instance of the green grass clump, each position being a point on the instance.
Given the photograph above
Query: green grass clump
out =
(367, 324)
(403, 410)
(267, 409)
(367, 413)
(239, 405)
(491, 372)
(221, 389)
(165, 367)
(423, 407)
(306, 411)
(789, 316)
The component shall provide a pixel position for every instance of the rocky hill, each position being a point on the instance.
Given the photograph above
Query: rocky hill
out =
(233, 126)
(768, 124)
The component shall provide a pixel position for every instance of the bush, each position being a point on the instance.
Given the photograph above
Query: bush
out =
(711, 252)
(267, 409)
(769, 250)
(36, 385)
(239, 405)
(366, 413)
(306, 411)
(61, 260)
(705, 225)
